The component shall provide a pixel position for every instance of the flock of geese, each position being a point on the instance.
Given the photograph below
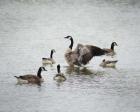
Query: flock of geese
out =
(80, 56)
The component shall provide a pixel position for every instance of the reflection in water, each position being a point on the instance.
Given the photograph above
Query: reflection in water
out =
(59, 83)
(37, 27)
(78, 70)
(30, 84)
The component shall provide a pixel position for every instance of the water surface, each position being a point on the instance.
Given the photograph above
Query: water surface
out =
(29, 29)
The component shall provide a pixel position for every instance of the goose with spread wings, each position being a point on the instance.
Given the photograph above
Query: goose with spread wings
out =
(82, 53)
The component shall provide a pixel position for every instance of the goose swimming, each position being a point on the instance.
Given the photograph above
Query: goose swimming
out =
(108, 63)
(49, 60)
(30, 78)
(60, 76)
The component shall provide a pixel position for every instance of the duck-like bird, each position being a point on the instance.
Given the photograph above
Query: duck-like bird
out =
(110, 51)
(49, 60)
(30, 78)
(108, 63)
(82, 53)
(60, 76)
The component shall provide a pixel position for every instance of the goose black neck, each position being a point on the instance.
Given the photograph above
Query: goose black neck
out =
(58, 69)
(71, 45)
(51, 55)
(112, 46)
(39, 73)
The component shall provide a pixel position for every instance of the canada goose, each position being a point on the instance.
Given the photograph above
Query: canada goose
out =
(29, 78)
(111, 51)
(82, 53)
(49, 60)
(60, 76)
(108, 63)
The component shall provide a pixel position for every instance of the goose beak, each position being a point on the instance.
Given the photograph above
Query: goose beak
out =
(116, 44)
(66, 37)
(45, 70)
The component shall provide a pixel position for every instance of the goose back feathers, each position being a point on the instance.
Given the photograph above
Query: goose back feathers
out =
(87, 52)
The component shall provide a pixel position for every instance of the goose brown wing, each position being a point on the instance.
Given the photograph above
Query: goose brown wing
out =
(107, 50)
(28, 77)
(87, 52)
(71, 57)
(96, 51)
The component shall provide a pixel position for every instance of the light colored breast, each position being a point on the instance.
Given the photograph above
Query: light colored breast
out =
(59, 78)
(71, 58)
(68, 50)
(48, 61)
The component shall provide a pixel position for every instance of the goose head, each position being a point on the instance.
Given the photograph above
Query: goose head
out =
(42, 69)
(113, 44)
(68, 37)
(53, 51)
(71, 39)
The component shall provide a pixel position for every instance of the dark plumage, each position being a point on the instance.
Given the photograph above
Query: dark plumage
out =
(29, 78)
(93, 51)
(82, 53)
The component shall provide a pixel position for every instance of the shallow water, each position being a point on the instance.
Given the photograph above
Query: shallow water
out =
(29, 29)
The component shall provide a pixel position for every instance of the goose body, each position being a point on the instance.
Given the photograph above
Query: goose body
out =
(71, 57)
(60, 76)
(82, 53)
(30, 78)
(108, 63)
(49, 60)
(110, 51)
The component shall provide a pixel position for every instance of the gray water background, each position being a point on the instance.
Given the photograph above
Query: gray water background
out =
(29, 29)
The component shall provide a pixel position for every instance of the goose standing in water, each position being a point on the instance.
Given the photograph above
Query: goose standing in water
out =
(111, 52)
(30, 78)
(82, 53)
(107, 63)
(60, 76)
(50, 60)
